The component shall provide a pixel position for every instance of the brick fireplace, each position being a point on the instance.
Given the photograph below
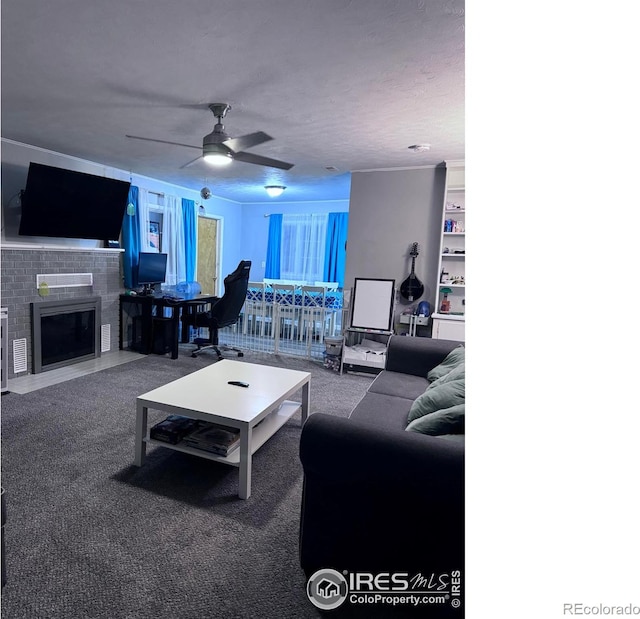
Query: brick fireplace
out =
(21, 263)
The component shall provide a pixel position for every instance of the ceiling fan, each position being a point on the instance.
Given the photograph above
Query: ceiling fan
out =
(219, 148)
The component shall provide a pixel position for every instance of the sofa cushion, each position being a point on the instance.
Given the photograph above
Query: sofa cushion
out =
(454, 358)
(445, 421)
(398, 384)
(385, 412)
(439, 397)
(455, 374)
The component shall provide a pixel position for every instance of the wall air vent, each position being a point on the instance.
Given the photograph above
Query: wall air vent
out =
(20, 355)
(64, 280)
(105, 338)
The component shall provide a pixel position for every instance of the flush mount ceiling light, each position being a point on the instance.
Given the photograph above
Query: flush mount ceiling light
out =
(419, 148)
(275, 190)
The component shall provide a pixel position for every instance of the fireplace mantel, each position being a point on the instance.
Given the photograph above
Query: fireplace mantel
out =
(34, 247)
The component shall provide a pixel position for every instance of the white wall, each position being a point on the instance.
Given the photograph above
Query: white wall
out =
(388, 211)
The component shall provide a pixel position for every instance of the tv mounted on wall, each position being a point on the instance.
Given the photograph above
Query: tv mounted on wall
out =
(69, 204)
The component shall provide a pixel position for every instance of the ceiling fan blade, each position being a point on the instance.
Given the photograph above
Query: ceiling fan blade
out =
(259, 160)
(247, 141)
(137, 137)
(190, 163)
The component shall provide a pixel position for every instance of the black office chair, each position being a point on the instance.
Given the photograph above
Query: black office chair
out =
(224, 312)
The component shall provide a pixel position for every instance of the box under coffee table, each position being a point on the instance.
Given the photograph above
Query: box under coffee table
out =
(258, 410)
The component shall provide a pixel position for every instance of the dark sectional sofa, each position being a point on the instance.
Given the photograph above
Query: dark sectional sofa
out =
(377, 498)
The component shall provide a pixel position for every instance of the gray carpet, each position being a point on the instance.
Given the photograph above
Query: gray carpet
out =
(90, 535)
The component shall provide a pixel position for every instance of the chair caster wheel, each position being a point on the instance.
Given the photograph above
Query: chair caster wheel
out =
(194, 356)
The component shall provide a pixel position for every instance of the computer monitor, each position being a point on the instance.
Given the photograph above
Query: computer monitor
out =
(152, 270)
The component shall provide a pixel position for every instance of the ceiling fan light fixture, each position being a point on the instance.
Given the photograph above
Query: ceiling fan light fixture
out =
(215, 154)
(217, 159)
(274, 190)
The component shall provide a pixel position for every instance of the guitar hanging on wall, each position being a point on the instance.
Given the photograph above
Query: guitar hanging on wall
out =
(412, 288)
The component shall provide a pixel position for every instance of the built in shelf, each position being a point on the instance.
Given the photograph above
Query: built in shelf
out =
(440, 316)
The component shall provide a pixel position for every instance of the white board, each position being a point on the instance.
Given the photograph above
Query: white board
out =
(372, 305)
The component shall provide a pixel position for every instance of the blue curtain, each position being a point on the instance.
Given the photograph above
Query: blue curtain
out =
(335, 255)
(272, 269)
(131, 240)
(190, 249)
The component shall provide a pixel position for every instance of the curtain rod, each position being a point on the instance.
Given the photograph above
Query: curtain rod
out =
(156, 193)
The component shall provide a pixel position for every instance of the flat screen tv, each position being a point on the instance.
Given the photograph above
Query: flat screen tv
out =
(152, 269)
(69, 204)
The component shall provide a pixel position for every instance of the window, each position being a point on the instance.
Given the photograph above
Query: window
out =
(307, 248)
(302, 251)
(155, 234)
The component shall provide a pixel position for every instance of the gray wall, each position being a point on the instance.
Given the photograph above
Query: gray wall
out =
(388, 211)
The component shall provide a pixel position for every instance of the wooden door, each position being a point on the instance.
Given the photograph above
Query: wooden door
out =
(208, 255)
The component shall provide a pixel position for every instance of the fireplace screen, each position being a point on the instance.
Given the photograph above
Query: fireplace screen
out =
(67, 336)
(65, 332)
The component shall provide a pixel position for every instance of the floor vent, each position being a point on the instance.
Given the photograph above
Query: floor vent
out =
(64, 280)
(105, 338)
(20, 355)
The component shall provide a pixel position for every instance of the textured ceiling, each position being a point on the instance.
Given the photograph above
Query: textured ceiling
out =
(348, 84)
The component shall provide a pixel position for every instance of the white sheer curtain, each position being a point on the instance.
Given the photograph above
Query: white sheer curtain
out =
(303, 247)
(173, 242)
(143, 215)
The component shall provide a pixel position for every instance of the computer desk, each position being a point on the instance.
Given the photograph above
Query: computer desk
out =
(137, 314)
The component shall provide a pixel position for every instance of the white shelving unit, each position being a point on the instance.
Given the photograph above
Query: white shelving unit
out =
(4, 349)
(448, 318)
(356, 356)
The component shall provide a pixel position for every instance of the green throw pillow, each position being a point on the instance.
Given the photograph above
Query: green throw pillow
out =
(446, 421)
(455, 374)
(454, 358)
(441, 396)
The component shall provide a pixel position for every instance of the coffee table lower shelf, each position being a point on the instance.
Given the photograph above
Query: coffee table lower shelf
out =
(260, 435)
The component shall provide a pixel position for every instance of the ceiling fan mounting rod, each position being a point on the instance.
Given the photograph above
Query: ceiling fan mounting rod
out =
(219, 110)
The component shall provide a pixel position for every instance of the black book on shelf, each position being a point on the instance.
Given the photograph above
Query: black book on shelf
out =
(173, 429)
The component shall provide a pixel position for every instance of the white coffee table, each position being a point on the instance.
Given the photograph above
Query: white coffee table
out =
(206, 395)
